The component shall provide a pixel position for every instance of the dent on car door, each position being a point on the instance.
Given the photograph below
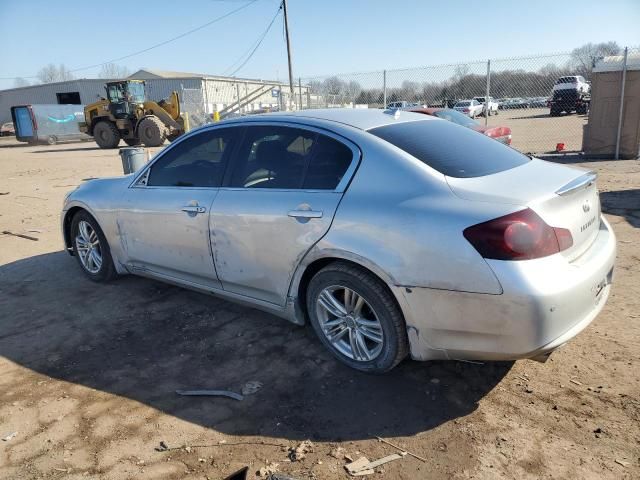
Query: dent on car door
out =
(283, 190)
(164, 224)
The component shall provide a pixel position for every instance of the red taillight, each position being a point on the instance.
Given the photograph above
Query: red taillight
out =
(520, 235)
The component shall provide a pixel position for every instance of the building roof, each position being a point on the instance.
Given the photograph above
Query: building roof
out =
(148, 74)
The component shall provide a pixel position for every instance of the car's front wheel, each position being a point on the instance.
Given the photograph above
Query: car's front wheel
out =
(91, 249)
(357, 318)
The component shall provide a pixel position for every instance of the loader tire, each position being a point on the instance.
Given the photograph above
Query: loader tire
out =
(152, 132)
(106, 134)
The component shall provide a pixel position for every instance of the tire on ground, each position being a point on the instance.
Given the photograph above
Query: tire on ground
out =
(152, 132)
(375, 292)
(106, 134)
(107, 270)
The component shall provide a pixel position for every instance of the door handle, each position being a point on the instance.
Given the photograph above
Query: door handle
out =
(193, 209)
(305, 213)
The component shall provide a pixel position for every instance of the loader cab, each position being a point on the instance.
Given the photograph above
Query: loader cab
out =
(124, 97)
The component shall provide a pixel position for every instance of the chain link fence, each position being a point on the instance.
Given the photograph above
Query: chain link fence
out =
(523, 95)
(193, 105)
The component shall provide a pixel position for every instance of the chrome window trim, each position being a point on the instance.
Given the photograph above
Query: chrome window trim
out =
(340, 188)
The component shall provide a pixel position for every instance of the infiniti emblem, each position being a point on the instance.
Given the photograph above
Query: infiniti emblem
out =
(586, 207)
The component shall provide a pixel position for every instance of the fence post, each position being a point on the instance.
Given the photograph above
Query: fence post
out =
(308, 97)
(238, 94)
(384, 89)
(624, 79)
(280, 98)
(300, 92)
(486, 98)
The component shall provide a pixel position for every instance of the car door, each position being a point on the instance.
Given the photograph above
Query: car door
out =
(283, 188)
(164, 224)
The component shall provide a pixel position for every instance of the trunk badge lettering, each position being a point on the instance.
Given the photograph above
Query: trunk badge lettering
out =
(586, 207)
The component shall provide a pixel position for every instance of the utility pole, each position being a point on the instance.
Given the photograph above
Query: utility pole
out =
(286, 31)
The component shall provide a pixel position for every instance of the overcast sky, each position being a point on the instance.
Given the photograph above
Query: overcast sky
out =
(328, 36)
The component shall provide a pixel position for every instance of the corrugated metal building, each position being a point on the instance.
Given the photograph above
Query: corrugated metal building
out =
(207, 93)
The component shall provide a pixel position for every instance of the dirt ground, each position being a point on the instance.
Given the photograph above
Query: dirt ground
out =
(534, 131)
(88, 372)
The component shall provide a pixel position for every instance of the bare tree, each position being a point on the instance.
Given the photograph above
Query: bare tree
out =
(20, 82)
(51, 73)
(112, 70)
(584, 58)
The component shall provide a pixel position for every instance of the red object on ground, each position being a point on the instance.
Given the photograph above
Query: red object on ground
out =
(559, 147)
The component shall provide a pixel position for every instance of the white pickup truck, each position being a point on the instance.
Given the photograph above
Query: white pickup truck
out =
(493, 105)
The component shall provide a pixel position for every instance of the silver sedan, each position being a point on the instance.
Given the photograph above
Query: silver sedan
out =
(391, 233)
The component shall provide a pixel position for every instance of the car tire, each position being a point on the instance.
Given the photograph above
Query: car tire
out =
(384, 336)
(52, 140)
(106, 134)
(84, 229)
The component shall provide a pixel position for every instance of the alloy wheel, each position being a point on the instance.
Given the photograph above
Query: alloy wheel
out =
(349, 323)
(88, 247)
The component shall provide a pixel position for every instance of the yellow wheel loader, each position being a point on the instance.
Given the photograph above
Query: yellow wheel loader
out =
(126, 114)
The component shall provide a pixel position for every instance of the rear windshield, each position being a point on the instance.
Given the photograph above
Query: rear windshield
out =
(451, 149)
(567, 80)
(463, 104)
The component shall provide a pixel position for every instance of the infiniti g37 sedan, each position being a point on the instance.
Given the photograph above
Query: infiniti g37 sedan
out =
(392, 233)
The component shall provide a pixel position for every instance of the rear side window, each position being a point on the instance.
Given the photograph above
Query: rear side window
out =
(328, 164)
(451, 149)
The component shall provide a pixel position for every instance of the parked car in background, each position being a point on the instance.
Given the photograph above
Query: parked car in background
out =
(390, 232)
(501, 134)
(514, 103)
(7, 129)
(572, 82)
(471, 108)
(402, 105)
(491, 109)
(538, 102)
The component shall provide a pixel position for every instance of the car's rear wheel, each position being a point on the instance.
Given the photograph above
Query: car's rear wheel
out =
(91, 249)
(357, 318)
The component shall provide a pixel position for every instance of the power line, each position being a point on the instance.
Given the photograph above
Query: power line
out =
(254, 46)
(173, 39)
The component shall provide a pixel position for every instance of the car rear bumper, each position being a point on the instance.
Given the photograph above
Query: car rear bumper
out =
(545, 303)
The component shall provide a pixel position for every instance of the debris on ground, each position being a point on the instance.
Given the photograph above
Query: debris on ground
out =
(298, 453)
(9, 437)
(337, 453)
(5, 193)
(269, 469)
(28, 237)
(251, 387)
(363, 466)
(210, 393)
(575, 381)
(622, 462)
(402, 450)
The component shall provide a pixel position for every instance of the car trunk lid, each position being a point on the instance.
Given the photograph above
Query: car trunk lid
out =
(562, 196)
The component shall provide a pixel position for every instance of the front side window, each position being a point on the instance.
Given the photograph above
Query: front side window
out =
(198, 161)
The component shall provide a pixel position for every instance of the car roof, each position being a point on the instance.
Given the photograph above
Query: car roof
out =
(361, 118)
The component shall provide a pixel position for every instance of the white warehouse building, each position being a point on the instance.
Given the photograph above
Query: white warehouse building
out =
(199, 93)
